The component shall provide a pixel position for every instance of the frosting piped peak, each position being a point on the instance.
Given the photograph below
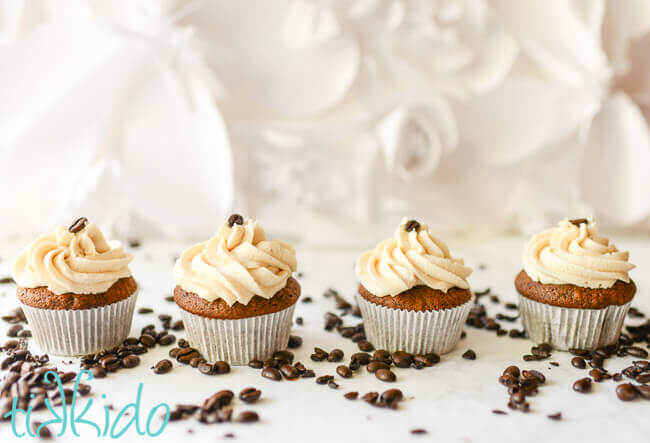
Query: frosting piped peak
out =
(412, 257)
(236, 264)
(76, 260)
(573, 253)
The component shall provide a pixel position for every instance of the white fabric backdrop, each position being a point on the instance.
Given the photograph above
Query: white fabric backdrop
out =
(160, 117)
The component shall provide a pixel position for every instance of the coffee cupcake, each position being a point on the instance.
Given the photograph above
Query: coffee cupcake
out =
(76, 290)
(413, 295)
(236, 293)
(574, 290)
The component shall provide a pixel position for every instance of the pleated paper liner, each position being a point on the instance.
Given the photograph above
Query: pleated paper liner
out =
(572, 328)
(416, 332)
(242, 340)
(73, 332)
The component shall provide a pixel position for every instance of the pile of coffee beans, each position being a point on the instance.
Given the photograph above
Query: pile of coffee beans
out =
(25, 380)
(187, 355)
(126, 355)
(280, 366)
(17, 319)
(218, 408)
(539, 352)
(479, 319)
(521, 385)
(388, 399)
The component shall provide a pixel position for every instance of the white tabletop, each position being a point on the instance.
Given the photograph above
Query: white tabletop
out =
(452, 400)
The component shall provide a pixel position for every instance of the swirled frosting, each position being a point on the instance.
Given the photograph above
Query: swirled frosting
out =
(236, 264)
(81, 263)
(573, 253)
(412, 257)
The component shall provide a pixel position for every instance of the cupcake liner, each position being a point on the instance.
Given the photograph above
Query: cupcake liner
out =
(416, 332)
(239, 341)
(71, 332)
(572, 328)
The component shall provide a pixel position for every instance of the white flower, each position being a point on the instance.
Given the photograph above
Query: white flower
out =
(414, 137)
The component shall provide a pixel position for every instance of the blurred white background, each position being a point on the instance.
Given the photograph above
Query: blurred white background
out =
(324, 119)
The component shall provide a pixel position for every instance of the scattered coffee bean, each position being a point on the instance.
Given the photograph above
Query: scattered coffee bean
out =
(351, 395)
(255, 364)
(162, 367)
(583, 385)
(469, 355)
(578, 362)
(626, 392)
(385, 375)
(272, 374)
(555, 417)
(294, 342)
(344, 371)
(250, 395)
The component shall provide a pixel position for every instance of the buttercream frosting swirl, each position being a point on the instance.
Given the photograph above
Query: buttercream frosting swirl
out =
(83, 262)
(573, 253)
(412, 257)
(236, 264)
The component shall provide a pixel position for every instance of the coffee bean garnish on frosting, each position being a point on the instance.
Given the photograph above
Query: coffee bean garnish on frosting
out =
(579, 221)
(235, 219)
(78, 225)
(412, 225)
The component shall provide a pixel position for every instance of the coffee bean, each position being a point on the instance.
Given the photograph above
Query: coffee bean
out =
(43, 433)
(221, 367)
(583, 385)
(365, 345)
(374, 366)
(235, 219)
(25, 333)
(167, 339)
(335, 356)
(418, 431)
(635, 351)
(426, 360)
(248, 417)
(469, 355)
(324, 379)
(512, 371)
(644, 391)
(255, 364)
(308, 374)
(196, 361)
(402, 359)
(351, 395)
(98, 372)
(578, 362)
(294, 342)
(332, 385)
(145, 311)
(412, 225)
(643, 378)
(283, 357)
(626, 392)
(385, 375)
(130, 361)
(78, 225)
(218, 400)
(289, 372)
(147, 340)
(162, 367)
(534, 374)
(272, 374)
(499, 412)
(344, 371)
(14, 330)
(555, 417)
(250, 395)
(361, 358)
(206, 368)
(392, 395)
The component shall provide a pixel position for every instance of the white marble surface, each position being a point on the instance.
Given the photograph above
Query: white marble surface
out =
(452, 401)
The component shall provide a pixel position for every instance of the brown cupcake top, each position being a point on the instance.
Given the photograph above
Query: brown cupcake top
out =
(420, 298)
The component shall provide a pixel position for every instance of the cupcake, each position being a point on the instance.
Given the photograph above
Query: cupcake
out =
(413, 295)
(574, 290)
(236, 293)
(76, 290)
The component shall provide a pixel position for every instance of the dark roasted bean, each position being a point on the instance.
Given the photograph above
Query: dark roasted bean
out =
(351, 395)
(206, 368)
(289, 372)
(162, 367)
(374, 366)
(361, 358)
(130, 361)
(250, 395)
(167, 339)
(365, 345)
(221, 367)
(626, 392)
(255, 364)
(324, 379)
(248, 417)
(294, 342)
(579, 362)
(370, 397)
(218, 400)
(335, 356)
(583, 385)
(272, 374)
(469, 355)
(555, 417)
(344, 371)
(385, 375)
(402, 359)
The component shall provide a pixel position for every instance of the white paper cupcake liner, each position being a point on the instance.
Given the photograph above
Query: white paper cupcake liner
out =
(572, 328)
(73, 332)
(416, 332)
(239, 341)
